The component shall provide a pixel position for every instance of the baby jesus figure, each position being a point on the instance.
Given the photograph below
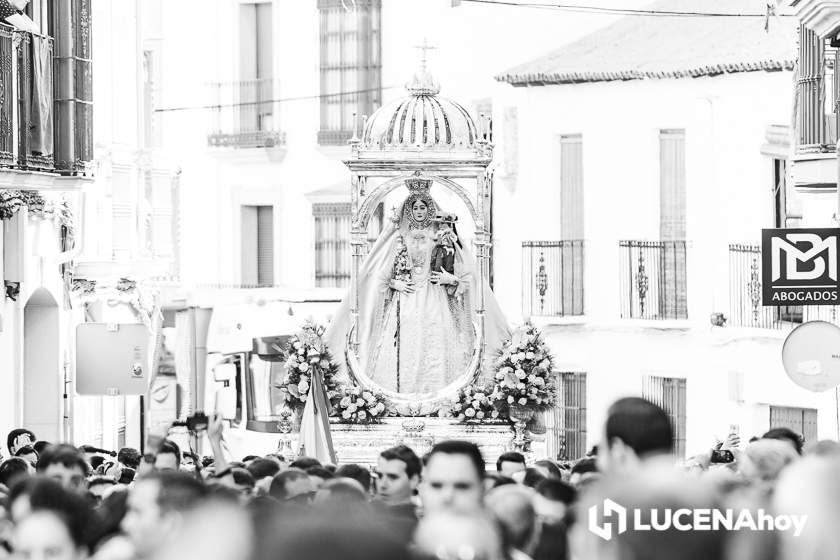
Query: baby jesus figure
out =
(443, 253)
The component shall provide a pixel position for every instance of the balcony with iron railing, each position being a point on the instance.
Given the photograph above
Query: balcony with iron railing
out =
(817, 110)
(552, 278)
(745, 307)
(245, 114)
(653, 280)
(39, 132)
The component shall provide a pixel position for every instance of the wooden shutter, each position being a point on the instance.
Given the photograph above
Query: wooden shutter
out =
(571, 187)
(803, 421)
(332, 244)
(672, 209)
(265, 245)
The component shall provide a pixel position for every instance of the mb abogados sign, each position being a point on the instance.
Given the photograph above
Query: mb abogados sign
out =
(800, 266)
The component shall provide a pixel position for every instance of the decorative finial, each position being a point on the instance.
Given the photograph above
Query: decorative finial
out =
(423, 83)
(418, 185)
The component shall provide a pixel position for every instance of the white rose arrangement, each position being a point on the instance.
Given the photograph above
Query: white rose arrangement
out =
(360, 406)
(473, 404)
(308, 356)
(524, 372)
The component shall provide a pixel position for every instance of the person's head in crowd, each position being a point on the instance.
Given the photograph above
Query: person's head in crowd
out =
(57, 530)
(129, 457)
(28, 454)
(330, 467)
(356, 472)
(494, 479)
(451, 534)
(248, 459)
(110, 513)
(350, 537)
(648, 492)
(126, 476)
(581, 468)
(305, 463)
(453, 478)
(765, 459)
(399, 471)
(636, 430)
(156, 506)
(18, 438)
(98, 486)
(168, 457)
(513, 507)
(319, 475)
(786, 435)
(549, 469)
(263, 471)
(531, 477)
(824, 448)
(243, 482)
(809, 487)
(189, 461)
(340, 492)
(291, 485)
(65, 464)
(553, 499)
(207, 461)
(12, 470)
(96, 461)
(510, 463)
(40, 445)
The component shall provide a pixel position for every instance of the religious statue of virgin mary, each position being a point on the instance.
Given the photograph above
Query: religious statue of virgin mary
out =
(417, 325)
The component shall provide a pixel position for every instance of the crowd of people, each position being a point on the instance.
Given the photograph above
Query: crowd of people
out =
(61, 502)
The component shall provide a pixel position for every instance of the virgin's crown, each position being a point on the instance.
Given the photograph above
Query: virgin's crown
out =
(418, 185)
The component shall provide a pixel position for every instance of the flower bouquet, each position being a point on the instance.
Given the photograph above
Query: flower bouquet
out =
(358, 406)
(308, 356)
(524, 373)
(473, 404)
(402, 263)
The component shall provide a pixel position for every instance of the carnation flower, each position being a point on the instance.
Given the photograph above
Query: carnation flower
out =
(352, 408)
(529, 355)
(303, 387)
(523, 401)
(362, 415)
(539, 382)
(345, 402)
(520, 373)
(479, 414)
(495, 414)
(346, 415)
(297, 345)
(532, 378)
(470, 412)
(303, 367)
(545, 364)
(367, 395)
(510, 399)
(373, 412)
(325, 363)
(521, 356)
(380, 407)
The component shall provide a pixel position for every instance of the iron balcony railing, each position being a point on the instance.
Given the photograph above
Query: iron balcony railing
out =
(745, 308)
(552, 281)
(27, 138)
(245, 115)
(653, 280)
(817, 93)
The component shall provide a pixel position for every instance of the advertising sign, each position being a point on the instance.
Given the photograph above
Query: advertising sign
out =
(800, 266)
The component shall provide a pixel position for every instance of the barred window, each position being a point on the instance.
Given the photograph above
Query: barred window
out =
(670, 394)
(566, 423)
(332, 244)
(351, 65)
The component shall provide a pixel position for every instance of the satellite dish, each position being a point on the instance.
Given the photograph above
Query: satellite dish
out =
(811, 356)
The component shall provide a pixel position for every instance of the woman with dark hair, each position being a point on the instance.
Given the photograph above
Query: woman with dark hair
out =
(549, 469)
(56, 524)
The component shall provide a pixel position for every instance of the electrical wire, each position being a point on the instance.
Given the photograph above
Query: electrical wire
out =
(623, 11)
(266, 101)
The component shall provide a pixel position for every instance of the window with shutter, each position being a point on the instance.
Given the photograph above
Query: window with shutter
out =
(257, 245)
(566, 423)
(670, 394)
(332, 244)
(673, 296)
(351, 66)
(803, 421)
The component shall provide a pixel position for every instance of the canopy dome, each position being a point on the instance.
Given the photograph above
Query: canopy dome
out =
(420, 121)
